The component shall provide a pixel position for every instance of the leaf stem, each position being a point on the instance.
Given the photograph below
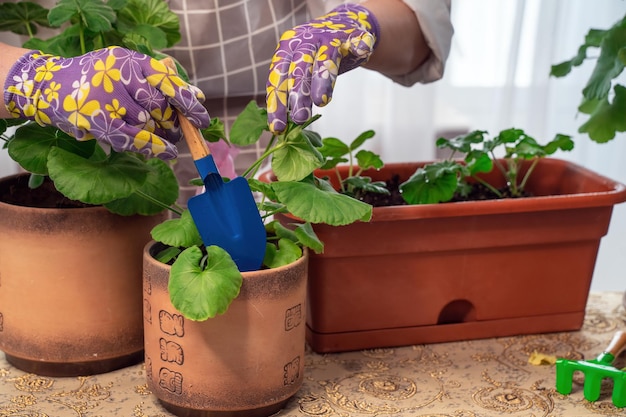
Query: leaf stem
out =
(159, 203)
(254, 168)
(527, 175)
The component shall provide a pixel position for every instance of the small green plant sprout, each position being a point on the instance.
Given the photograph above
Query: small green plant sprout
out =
(204, 281)
(443, 180)
(604, 99)
(337, 152)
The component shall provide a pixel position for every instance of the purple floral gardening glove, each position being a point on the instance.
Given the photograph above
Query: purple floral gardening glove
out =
(117, 96)
(310, 56)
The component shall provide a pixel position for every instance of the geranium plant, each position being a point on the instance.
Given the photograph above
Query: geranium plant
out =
(124, 182)
(205, 280)
(443, 180)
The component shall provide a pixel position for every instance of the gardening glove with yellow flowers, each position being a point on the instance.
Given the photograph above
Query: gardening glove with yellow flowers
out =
(119, 97)
(309, 57)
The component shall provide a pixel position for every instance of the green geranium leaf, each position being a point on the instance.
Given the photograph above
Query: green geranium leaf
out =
(286, 253)
(431, 184)
(333, 148)
(527, 148)
(249, 125)
(593, 39)
(315, 205)
(167, 255)
(94, 15)
(23, 17)
(368, 159)
(32, 144)
(608, 118)
(160, 185)
(313, 137)
(276, 228)
(180, 232)
(153, 36)
(96, 182)
(560, 141)
(461, 143)
(307, 236)
(360, 140)
(66, 44)
(35, 181)
(354, 184)
(608, 65)
(155, 13)
(203, 288)
(295, 158)
(478, 161)
(215, 132)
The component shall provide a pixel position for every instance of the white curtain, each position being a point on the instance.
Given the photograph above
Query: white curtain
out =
(497, 77)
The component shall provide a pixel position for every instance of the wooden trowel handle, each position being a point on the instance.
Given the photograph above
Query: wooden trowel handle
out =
(617, 345)
(195, 141)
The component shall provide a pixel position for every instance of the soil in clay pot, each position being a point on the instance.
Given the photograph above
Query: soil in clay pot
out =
(44, 196)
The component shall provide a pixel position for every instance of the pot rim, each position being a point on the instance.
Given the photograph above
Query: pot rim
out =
(147, 256)
(48, 210)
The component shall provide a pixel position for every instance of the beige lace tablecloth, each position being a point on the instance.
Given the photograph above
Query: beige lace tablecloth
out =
(465, 379)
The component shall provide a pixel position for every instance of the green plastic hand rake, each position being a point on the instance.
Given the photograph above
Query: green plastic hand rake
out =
(595, 370)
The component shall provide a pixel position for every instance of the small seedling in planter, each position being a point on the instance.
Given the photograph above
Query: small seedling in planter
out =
(205, 280)
(444, 180)
(354, 183)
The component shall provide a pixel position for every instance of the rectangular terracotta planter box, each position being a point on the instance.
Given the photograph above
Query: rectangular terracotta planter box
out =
(459, 271)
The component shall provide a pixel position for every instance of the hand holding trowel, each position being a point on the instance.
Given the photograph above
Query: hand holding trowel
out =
(595, 370)
(226, 213)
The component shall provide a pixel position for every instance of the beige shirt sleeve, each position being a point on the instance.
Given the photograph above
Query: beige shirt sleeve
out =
(436, 25)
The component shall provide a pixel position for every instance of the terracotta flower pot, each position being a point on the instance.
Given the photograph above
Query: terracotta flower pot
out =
(248, 361)
(70, 288)
(459, 271)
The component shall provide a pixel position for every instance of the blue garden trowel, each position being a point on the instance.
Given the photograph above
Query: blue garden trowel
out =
(226, 213)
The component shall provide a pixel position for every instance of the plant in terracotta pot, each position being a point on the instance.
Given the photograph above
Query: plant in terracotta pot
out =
(459, 270)
(246, 330)
(73, 227)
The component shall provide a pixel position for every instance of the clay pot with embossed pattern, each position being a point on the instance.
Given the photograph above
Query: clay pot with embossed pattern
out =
(70, 287)
(248, 361)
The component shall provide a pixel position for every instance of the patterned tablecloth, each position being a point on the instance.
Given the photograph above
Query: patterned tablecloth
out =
(491, 377)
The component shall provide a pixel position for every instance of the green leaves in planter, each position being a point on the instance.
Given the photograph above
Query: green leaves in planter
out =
(440, 181)
(202, 286)
(432, 184)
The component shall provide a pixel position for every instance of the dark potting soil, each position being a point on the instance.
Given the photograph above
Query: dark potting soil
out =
(17, 192)
(394, 198)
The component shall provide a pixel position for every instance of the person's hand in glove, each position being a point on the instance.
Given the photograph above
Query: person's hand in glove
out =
(119, 97)
(309, 57)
